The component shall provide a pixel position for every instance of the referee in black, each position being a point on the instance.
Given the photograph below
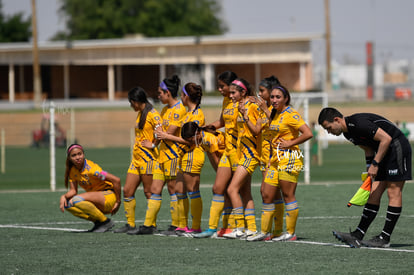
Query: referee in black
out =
(388, 158)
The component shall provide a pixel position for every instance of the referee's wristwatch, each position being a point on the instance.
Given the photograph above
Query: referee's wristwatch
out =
(374, 162)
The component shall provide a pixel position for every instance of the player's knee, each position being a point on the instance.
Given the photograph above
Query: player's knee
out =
(74, 201)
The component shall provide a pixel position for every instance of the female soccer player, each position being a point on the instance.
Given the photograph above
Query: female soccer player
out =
(208, 138)
(248, 126)
(190, 164)
(144, 154)
(228, 161)
(103, 190)
(287, 130)
(263, 100)
(165, 170)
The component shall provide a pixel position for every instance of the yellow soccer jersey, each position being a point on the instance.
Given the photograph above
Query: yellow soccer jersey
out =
(285, 125)
(212, 143)
(147, 133)
(171, 116)
(247, 142)
(196, 116)
(229, 114)
(265, 138)
(90, 178)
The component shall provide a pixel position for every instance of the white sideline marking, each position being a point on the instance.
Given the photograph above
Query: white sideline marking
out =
(298, 241)
(39, 227)
(344, 245)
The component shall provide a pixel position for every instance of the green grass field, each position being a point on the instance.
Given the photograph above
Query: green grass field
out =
(38, 239)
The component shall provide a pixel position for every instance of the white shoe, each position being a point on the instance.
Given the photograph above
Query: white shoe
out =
(285, 237)
(235, 234)
(260, 236)
(248, 233)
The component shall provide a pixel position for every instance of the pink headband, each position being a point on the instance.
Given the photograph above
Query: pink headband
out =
(73, 147)
(240, 84)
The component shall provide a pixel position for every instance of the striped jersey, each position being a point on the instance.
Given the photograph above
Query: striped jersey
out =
(247, 142)
(146, 133)
(229, 114)
(171, 116)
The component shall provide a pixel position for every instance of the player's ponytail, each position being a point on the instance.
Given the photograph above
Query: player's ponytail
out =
(194, 92)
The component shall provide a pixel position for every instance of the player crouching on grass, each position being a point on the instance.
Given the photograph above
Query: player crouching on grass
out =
(388, 158)
(103, 190)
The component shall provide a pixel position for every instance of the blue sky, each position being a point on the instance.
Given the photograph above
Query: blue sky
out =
(353, 23)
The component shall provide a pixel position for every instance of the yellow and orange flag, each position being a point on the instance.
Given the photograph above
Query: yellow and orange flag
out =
(361, 196)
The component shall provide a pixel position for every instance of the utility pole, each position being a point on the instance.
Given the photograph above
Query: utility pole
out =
(37, 84)
(328, 83)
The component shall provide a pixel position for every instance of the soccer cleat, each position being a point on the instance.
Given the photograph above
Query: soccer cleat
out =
(191, 232)
(169, 232)
(285, 237)
(126, 228)
(247, 233)
(172, 228)
(205, 234)
(101, 227)
(377, 241)
(146, 230)
(236, 233)
(180, 231)
(259, 236)
(348, 238)
(223, 231)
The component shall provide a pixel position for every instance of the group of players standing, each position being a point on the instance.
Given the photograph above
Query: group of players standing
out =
(170, 147)
(259, 130)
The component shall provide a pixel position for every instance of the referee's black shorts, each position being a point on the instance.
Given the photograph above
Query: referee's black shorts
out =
(396, 165)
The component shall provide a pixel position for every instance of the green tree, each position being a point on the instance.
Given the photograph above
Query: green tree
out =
(152, 18)
(14, 28)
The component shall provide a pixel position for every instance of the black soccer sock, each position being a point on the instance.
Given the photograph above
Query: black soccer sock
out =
(393, 213)
(367, 217)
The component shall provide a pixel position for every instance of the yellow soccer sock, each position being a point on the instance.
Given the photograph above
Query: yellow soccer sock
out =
(292, 211)
(196, 209)
(268, 210)
(129, 206)
(250, 218)
(232, 221)
(186, 208)
(238, 217)
(89, 209)
(182, 215)
(78, 213)
(216, 208)
(175, 219)
(226, 218)
(278, 217)
(154, 205)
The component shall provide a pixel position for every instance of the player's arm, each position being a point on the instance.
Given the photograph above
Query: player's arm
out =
(255, 128)
(73, 190)
(116, 182)
(218, 123)
(170, 135)
(305, 134)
